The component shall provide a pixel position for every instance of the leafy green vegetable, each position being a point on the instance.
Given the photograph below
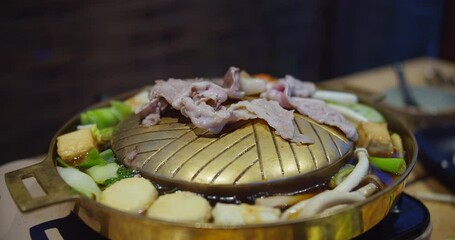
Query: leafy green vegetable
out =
(392, 165)
(103, 135)
(102, 117)
(95, 132)
(106, 134)
(93, 159)
(108, 156)
(61, 162)
(106, 117)
(122, 173)
(121, 110)
(101, 173)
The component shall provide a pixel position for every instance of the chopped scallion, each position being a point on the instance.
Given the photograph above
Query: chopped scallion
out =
(108, 156)
(93, 158)
(121, 110)
(392, 165)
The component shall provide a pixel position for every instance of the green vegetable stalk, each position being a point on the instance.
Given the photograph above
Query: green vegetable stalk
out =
(62, 163)
(392, 165)
(108, 116)
(103, 135)
(102, 117)
(108, 156)
(122, 173)
(121, 110)
(106, 134)
(93, 159)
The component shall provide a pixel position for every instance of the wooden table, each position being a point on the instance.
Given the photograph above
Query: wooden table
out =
(374, 83)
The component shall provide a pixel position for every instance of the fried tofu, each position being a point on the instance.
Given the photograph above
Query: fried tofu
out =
(75, 145)
(375, 138)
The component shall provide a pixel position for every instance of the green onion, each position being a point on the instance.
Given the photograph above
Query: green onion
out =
(102, 117)
(368, 112)
(106, 134)
(108, 116)
(103, 135)
(392, 165)
(121, 110)
(122, 173)
(108, 156)
(85, 120)
(102, 173)
(62, 163)
(93, 159)
(80, 181)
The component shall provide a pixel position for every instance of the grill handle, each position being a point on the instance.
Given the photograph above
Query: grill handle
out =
(45, 173)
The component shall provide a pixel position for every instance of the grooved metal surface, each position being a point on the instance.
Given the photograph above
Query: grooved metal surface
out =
(244, 152)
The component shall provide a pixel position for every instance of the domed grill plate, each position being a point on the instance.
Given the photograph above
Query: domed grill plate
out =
(246, 156)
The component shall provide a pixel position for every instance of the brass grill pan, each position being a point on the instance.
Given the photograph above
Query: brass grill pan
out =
(245, 159)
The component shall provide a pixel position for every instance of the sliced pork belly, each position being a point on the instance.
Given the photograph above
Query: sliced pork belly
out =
(199, 101)
(276, 117)
(187, 94)
(322, 113)
(291, 94)
(298, 88)
(151, 112)
(232, 83)
(289, 87)
(202, 103)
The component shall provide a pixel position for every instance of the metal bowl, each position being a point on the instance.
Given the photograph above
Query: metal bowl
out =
(342, 224)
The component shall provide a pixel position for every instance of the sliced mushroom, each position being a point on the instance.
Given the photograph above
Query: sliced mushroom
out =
(370, 178)
(356, 176)
(368, 189)
(328, 199)
(350, 182)
(283, 201)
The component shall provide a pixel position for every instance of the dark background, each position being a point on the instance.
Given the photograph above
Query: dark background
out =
(59, 57)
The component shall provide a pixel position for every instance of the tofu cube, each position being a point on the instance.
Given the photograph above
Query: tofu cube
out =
(132, 195)
(181, 207)
(375, 138)
(75, 145)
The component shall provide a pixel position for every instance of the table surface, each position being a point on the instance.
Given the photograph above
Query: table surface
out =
(378, 80)
(375, 80)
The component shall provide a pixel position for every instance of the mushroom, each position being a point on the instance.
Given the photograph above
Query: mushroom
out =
(340, 195)
(366, 191)
(360, 170)
(283, 201)
(370, 178)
